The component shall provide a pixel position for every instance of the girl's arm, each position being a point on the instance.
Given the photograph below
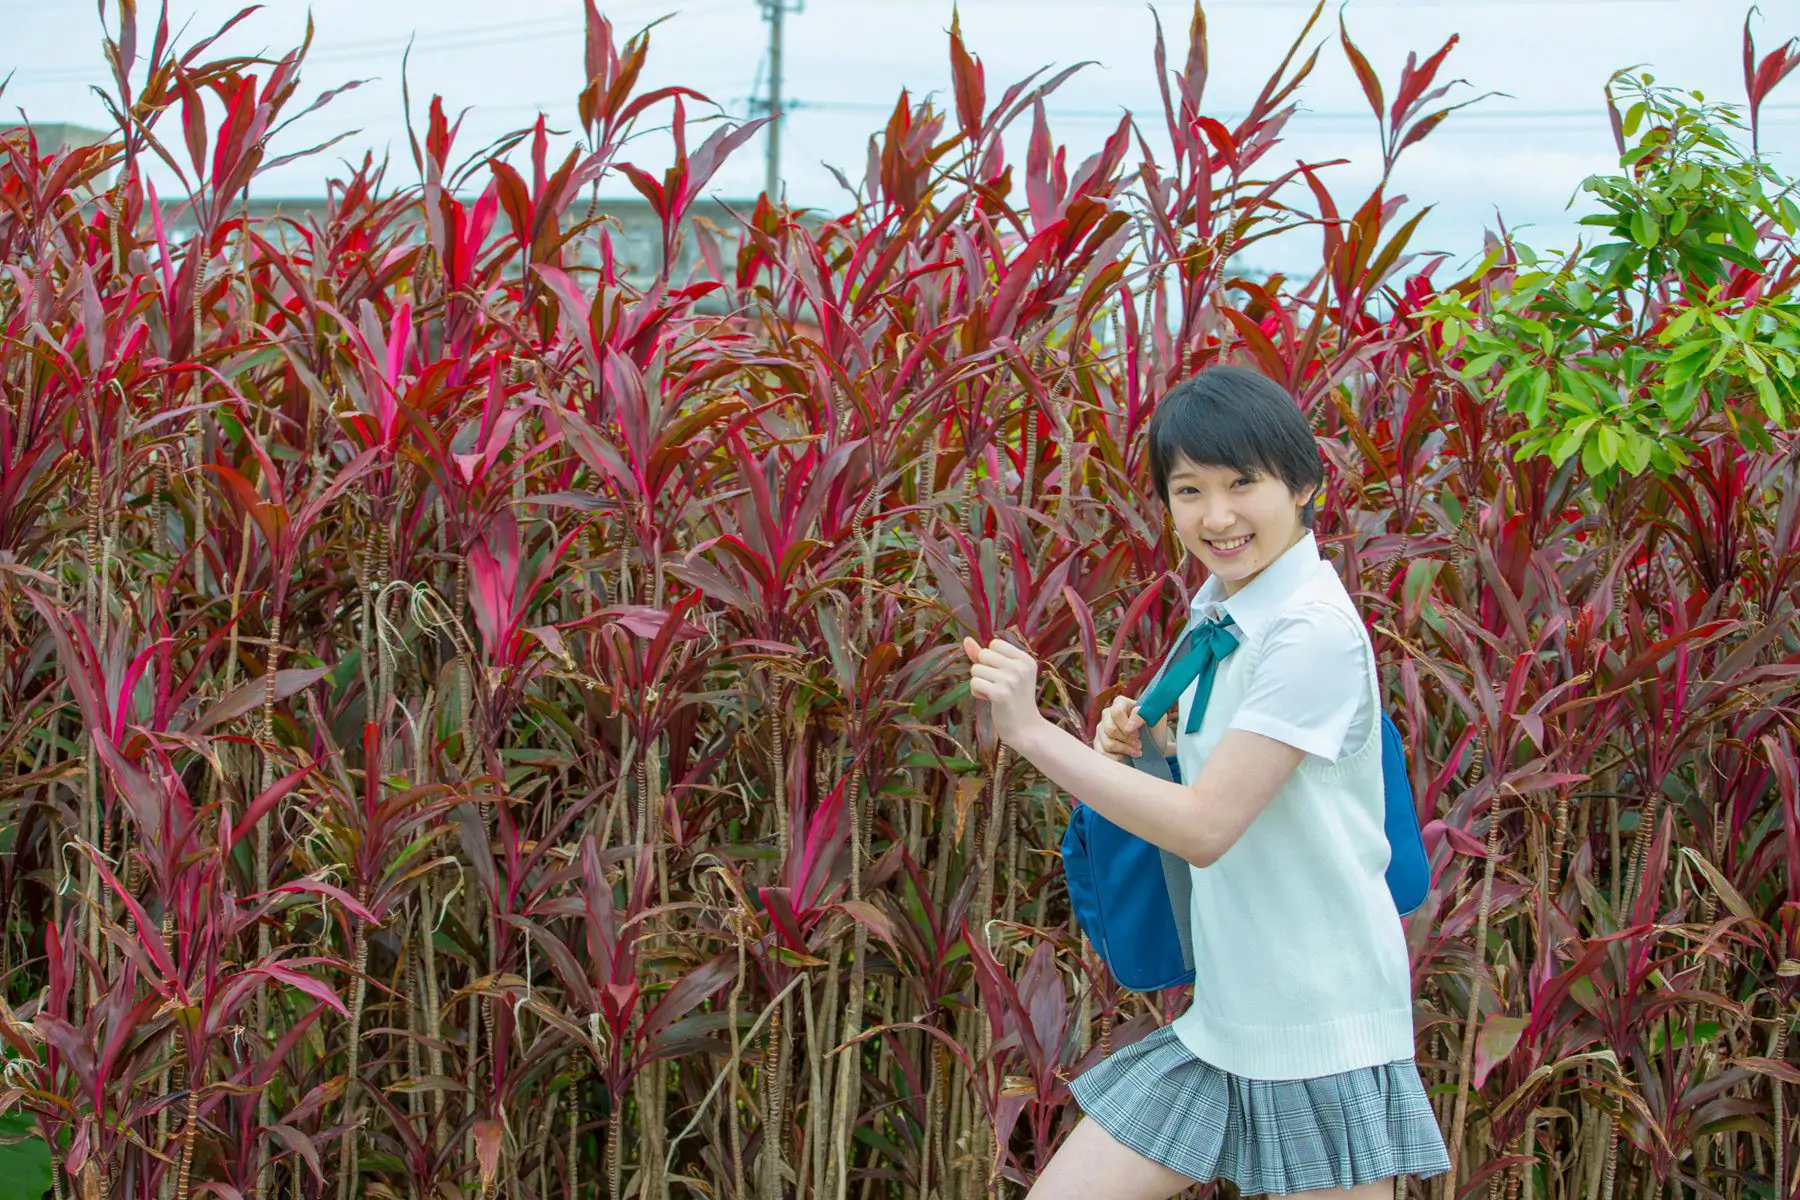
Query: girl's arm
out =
(1198, 821)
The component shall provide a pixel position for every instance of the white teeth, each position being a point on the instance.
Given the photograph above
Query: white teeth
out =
(1231, 545)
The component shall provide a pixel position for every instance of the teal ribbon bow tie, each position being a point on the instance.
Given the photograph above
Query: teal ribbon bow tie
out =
(1207, 644)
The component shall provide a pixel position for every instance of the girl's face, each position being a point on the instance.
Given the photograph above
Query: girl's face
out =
(1235, 522)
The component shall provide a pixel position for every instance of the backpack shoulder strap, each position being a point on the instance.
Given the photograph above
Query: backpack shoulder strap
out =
(1151, 761)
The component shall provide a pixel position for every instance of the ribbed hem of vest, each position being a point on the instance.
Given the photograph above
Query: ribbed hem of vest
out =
(1299, 1051)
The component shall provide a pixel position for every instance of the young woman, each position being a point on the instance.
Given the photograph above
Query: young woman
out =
(1292, 1072)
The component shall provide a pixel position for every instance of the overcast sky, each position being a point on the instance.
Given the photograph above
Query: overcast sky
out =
(1522, 154)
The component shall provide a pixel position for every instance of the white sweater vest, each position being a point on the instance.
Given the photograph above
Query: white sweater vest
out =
(1300, 963)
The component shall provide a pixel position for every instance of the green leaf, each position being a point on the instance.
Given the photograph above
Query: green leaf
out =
(1734, 900)
(1771, 403)
(1420, 575)
(25, 1165)
(1609, 442)
(1569, 440)
(1704, 1031)
(1643, 229)
(1593, 461)
(1743, 231)
(1678, 328)
(1479, 365)
(1540, 390)
(1537, 407)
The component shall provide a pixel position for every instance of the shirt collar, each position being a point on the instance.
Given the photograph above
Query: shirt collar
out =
(1258, 600)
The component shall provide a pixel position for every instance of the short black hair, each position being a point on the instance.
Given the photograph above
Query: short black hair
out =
(1230, 416)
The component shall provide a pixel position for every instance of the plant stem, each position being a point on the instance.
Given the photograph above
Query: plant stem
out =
(353, 1055)
(1475, 983)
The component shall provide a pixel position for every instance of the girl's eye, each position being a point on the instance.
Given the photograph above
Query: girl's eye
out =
(1242, 481)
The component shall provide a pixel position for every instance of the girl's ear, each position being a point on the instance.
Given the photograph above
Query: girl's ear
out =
(1306, 505)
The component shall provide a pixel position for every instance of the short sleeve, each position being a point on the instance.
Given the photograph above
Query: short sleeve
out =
(1311, 688)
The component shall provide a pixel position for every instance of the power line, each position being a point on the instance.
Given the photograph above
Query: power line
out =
(462, 37)
(453, 37)
(1354, 115)
(1487, 120)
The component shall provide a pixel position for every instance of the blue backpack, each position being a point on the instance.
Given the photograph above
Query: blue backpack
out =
(1131, 896)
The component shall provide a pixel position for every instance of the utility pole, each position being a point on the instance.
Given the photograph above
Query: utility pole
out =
(773, 12)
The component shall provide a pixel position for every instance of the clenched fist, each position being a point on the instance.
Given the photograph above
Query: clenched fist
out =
(1006, 677)
(1121, 732)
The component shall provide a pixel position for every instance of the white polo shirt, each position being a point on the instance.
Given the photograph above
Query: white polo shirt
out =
(1300, 961)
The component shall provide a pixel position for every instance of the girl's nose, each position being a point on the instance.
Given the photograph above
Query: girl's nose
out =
(1218, 517)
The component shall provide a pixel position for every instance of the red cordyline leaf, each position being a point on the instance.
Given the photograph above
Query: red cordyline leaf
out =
(1006, 1011)
(164, 976)
(575, 310)
(489, 1134)
(689, 992)
(193, 122)
(494, 582)
(319, 887)
(501, 593)
(790, 925)
(225, 999)
(1045, 177)
(399, 340)
(606, 106)
(238, 137)
(233, 831)
(466, 234)
(1761, 78)
(495, 432)
(249, 696)
(967, 80)
(1782, 759)
(104, 708)
(826, 836)
(1365, 74)
(672, 196)
(1004, 308)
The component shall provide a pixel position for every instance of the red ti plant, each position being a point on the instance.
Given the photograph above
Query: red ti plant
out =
(614, 1022)
(503, 592)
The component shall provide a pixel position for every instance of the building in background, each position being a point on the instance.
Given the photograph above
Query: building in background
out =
(56, 136)
(636, 230)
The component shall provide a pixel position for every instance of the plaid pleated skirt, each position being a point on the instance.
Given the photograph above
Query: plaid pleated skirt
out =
(1269, 1137)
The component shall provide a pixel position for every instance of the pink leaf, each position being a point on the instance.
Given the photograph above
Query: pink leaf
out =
(487, 1149)
(302, 1146)
(318, 887)
(399, 337)
(1498, 1037)
(318, 989)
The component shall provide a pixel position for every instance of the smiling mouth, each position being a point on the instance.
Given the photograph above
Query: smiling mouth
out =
(1227, 547)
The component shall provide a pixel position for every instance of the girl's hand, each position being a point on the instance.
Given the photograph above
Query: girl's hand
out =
(1006, 677)
(1121, 732)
